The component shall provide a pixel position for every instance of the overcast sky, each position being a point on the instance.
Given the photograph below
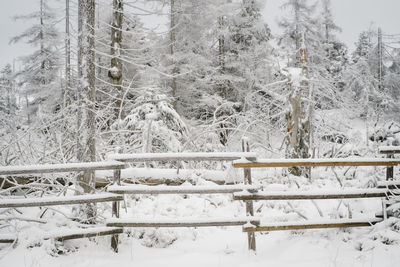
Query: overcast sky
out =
(353, 16)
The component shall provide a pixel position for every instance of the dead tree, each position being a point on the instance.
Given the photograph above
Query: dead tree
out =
(299, 115)
(87, 127)
(115, 72)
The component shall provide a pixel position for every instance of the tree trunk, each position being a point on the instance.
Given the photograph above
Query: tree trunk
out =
(67, 93)
(172, 40)
(299, 116)
(86, 182)
(115, 72)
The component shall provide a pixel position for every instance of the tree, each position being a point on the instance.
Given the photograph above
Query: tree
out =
(299, 40)
(87, 127)
(40, 69)
(115, 72)
(8, 105)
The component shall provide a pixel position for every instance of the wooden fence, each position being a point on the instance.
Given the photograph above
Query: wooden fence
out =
(384, 191)
(246, 192)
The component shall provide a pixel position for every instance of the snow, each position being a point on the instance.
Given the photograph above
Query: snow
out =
(87, 231)
(162, 220)
(296, 76)
(181, 156)
(221, 247)
(65, 167)
(134, 174)
(138, 189)
(322, 160)
(389, 148)
(54, 200)
(388, 183)
(318, 192)
(319, 221)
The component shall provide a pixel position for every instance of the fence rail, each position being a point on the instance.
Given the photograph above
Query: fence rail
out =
(54, 201)
(282, 226)
(58, 168)
(219, 189)
(198, 156)
(319, 194)
(271, 163)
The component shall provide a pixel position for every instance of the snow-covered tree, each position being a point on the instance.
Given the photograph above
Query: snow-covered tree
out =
(39, 75)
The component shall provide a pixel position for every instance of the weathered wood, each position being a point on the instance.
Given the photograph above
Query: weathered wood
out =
(181, 223)
(82, 233)
(72, 234)
(269, 163)
(251, 237)
(389, 150)
(362, 193)
(389, 185)
(198, 156)
(4, 239)
(54, 201)
(304, 226)
(57, 168)
(115, 210)
(220, 189)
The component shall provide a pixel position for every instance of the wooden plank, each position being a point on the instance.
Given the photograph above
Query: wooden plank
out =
(54, 201)
(198, 156)
(389, 149)
(219, 189)
(82, 233)
(4, 239)
(269, 163)
(317, 225)
(57, 168)
(115, 209)
(389, 184)
(361, 193)
(251, 237)
(181, 223)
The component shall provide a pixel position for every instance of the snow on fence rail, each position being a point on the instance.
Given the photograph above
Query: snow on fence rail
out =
(7, 238)
(389, 149)
(316, 194)
(389, 184)
(328, 162)
(317, 224)
(57, 168)
(62, 235)
(143, 189)
(198, 156)
(53, 201)
(200, 222)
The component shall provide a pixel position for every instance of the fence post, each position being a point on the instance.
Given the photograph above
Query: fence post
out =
(251, 237)
(115, 209)
(389, 169)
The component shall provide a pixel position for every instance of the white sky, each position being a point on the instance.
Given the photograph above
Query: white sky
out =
(353, 16)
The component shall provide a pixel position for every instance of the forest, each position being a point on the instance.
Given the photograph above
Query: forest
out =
(213, 74)
(183, 76)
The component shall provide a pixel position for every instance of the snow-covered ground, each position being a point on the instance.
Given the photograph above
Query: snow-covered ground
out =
(221, 247)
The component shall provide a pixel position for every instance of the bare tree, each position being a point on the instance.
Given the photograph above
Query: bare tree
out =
(87, 127)
(67, 93)
(115, 72)
(172, 40)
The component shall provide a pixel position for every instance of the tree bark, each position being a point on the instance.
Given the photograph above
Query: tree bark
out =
(67, 93)
(86, 182)
(299, 116)
(172, 41)
(115, 72)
